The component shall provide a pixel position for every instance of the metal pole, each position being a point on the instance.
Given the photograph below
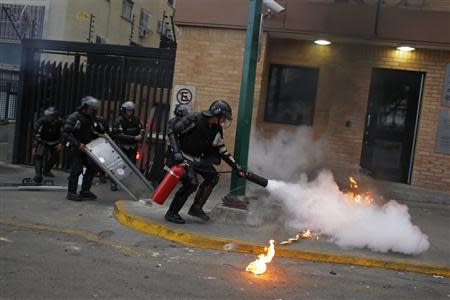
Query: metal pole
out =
(244, 120)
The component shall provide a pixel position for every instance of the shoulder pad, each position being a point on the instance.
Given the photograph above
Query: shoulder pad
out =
(193, 116)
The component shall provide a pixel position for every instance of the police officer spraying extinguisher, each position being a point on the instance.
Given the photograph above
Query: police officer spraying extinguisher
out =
(47, 143)
(79, 131)
(197, 140)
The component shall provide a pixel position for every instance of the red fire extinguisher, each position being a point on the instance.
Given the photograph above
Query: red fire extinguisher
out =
(168, 183)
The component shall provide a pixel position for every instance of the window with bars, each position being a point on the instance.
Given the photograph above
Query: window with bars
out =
(28, 20)
(145, 22)
(8, 94)
(127, 9)
(291, 95)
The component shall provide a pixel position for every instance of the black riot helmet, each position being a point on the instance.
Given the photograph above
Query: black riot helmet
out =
(91, 102)
(127, 106)
(51, 112)
(181, 110)
(219, 108)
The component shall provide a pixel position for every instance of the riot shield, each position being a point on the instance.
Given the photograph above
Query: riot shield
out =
(108, 156)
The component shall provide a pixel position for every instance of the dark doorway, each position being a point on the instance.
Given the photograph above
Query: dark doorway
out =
(391, 124)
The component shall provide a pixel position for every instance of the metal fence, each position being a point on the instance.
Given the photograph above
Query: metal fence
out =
(55, 73)
(8, 94)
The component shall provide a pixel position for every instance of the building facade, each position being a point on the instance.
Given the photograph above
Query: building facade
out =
(146, 23)
(380, 109)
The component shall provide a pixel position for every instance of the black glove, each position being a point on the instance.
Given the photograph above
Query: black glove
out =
(178, 158)
(239, 169)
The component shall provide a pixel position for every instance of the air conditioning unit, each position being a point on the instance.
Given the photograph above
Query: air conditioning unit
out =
(160, 27)
(143, 31)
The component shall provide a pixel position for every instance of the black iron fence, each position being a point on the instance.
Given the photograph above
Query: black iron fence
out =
(59, 74)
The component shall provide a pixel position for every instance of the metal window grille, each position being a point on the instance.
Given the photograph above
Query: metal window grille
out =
(8, 94)
(127, 9)
(16, 12)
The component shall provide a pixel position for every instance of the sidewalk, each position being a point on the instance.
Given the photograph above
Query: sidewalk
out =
(229, 229)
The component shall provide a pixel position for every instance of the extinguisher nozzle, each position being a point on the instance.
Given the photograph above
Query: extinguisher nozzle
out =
(256, 179)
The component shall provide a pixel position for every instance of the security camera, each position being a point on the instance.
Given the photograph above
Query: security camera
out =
(273, 6)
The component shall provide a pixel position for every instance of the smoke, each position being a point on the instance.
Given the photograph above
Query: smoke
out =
(319, 205)
(286, 155)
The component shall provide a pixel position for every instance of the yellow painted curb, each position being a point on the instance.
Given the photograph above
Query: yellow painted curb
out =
(126, 217)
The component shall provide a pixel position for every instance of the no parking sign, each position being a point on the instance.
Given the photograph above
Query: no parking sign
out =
(183, 94)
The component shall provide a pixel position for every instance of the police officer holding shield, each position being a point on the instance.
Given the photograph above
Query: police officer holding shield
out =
(79, 131)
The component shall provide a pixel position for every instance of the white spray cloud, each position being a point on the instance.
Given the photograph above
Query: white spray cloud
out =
(287, 154)
(319, 205)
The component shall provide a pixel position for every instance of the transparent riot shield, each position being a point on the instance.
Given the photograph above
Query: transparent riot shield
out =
(108, 156)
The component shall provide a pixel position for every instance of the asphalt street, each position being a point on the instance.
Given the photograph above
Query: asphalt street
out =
(52, 248)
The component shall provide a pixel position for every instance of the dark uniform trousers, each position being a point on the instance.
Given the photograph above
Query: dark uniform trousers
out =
(190, 184)
(46, 157)
(78, 159)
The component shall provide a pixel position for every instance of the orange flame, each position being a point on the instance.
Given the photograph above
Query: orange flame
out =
(356, 196)
(353, 183)
(290, 240)
(259, 266)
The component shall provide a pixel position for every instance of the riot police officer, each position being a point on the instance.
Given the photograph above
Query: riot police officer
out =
(79, 131)
(47, 143)
(197, 139)
(128, 131)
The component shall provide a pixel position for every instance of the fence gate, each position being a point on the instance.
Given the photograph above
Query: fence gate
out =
(59, 73)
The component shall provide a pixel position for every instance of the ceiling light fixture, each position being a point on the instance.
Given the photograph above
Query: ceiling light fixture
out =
(322, 42)
(406, 48)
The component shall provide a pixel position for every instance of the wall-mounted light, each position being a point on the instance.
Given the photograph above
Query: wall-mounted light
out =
(322, 42)
(406, 48)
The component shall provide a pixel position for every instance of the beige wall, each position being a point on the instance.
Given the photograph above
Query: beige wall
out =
(211, 60)
(61, 22)
(109, 23)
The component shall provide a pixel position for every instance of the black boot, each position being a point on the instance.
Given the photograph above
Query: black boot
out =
(201, 197)
(88, 195)
(198, 212)
(37, 179)
(177, 203)
(174, 218)
(113, 186)
(73, 196)
(48, 174)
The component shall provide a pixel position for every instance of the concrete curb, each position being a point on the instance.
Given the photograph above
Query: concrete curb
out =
(126, 217)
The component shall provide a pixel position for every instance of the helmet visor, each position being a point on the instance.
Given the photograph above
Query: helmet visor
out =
(225, 122)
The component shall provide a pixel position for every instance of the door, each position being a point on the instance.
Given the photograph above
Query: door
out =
(391, 123)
